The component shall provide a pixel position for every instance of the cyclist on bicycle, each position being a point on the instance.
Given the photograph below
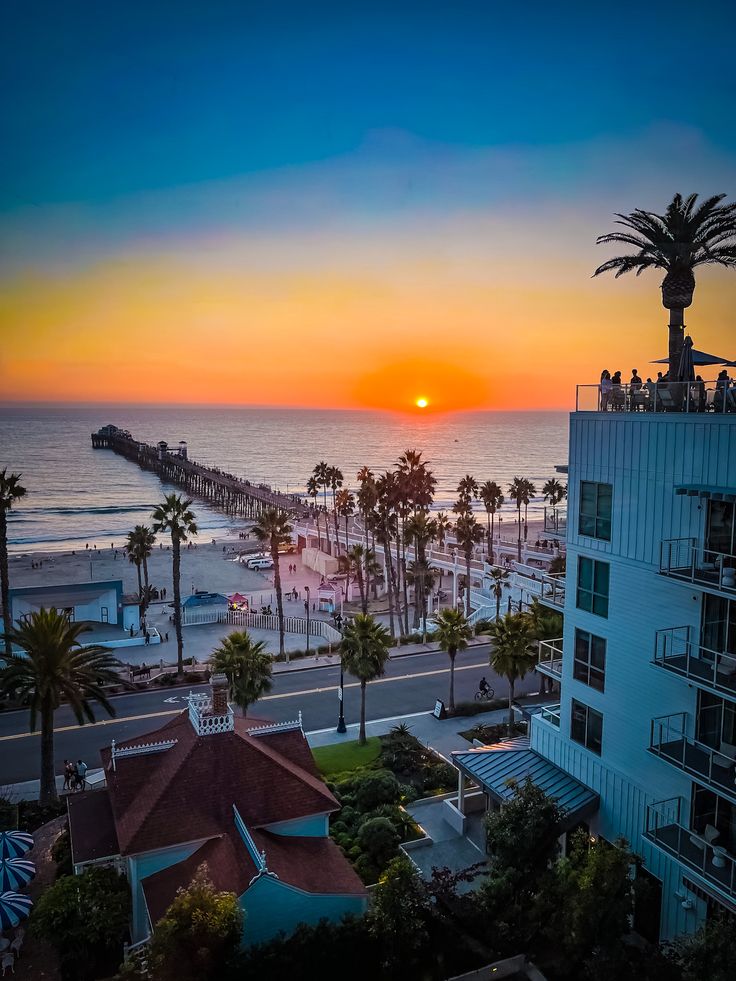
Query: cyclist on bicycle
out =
(483, 686)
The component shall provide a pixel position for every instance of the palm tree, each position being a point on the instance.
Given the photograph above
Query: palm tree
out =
(174, 515)
(529, 491)
(53, 668)
(468, 533)
(367, 497)
(513, 651)
(336, 479)
(364, 652)
(443, 523)
(492, 497)
(468, 487)
(246, 664)
(422, 530)
(517, 492)
(321, 474)
(498, 577)
(452, 634)
(554, 492)
(273, 529)
(313, 491)
(11, 491)
(677, 241)
(345, 506)
(140, 545)
(135, 559)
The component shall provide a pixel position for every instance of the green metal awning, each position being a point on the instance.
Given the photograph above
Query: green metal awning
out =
(498, 770)
(707, 491)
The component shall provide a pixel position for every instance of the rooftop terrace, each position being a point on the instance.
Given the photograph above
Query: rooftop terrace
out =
(704, 398)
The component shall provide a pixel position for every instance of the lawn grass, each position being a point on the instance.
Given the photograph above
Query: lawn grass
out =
(342, 757)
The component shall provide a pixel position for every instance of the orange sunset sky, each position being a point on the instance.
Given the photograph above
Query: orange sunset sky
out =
(351, 212)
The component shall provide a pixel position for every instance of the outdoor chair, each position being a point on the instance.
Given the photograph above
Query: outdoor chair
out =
(666, 401)
(8, 961)
(16, 945)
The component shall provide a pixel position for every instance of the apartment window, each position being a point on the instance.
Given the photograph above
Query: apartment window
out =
(586, 727)
(593, 581)
(589, 665)
(595, 510)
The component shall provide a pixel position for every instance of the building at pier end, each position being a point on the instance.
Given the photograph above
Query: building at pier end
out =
(647, 663)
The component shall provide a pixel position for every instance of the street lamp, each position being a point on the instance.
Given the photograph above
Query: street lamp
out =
(341, 727)
(306, 607)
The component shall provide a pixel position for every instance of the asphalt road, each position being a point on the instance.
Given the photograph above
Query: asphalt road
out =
(411, 684)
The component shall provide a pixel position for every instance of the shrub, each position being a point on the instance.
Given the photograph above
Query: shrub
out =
(379, 839)
(28, 815)
(368, 790)
(475, 708)
(61, 852)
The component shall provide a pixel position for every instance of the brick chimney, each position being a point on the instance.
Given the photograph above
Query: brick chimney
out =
(219, 686)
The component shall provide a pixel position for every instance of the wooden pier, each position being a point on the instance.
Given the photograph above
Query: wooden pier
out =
(223, 491)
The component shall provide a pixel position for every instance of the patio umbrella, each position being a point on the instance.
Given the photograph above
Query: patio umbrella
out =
(14, 908)
(686, 369)
(15, 873)
(699, 358)
(13, 844)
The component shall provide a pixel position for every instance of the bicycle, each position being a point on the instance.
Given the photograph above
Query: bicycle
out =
(487, 695)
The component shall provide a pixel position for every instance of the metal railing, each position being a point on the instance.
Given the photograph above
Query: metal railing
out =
(550, 658)
(550, 714)
(675, 651)
(670, 741)
(703, 398)
(709, 860)
(683, 558)
(548, 589)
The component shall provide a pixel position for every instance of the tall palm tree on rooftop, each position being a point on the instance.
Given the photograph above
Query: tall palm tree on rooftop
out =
(11, 491)
(684, 237)
(273, 529)
(53, 668)
(175, 516)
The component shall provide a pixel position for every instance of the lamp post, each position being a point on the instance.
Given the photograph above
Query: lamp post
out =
(341, 727)
(306, 607)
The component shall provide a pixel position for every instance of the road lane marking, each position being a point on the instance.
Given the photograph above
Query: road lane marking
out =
(119, 720)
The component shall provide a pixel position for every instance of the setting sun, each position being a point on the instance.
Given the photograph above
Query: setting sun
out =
(422, 403)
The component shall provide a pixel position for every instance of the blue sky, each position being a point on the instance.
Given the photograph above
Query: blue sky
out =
(101, 100)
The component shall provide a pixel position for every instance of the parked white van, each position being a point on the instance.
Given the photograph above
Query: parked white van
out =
(262, 562)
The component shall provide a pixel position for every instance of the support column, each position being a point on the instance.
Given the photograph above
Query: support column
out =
(461, 791)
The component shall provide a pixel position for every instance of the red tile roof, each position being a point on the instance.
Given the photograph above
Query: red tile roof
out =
(314, 865)
(91, 826)
(187, 792)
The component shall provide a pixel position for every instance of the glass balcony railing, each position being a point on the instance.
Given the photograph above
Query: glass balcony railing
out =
(555, 521)
(550, 658)
(710, 767)
(713, 863)
(550, 714)
(548, 589)
(712, 670)
(706, 398)
(684, 559)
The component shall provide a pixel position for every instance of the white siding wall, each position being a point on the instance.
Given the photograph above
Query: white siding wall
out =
(644, 457)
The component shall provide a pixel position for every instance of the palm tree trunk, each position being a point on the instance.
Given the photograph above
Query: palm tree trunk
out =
(48, 793)
(498, 603)
(361, 587)
(279, 598)
(493, 531)
(451, 700)
(467, 582)
(4, 577)
(361, 731)
(389, 583)
(373, 549)
(518, 509)
(140, 583)
(145, 581)
(511, 705)
(676, 341)
(404, 583)
(396, 572)
(176, 556)
(346, 534)
(526, 521)
(327, 526)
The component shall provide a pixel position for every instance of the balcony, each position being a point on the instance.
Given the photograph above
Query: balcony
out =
(710, 670)
(555, 521)
(704, 400)
(713, 864)
(548, 589)
(683, 559)
(550, 714)
(709, 767)
(550, 659)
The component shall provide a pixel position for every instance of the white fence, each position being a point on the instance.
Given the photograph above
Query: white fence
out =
(292, 625)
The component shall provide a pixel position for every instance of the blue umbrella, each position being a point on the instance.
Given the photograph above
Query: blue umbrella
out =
(14, 908)
(15, 873)
(13, 844)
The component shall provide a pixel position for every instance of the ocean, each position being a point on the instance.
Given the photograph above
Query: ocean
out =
(78, 495)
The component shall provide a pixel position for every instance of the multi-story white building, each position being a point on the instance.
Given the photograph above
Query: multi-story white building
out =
(647, 664)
